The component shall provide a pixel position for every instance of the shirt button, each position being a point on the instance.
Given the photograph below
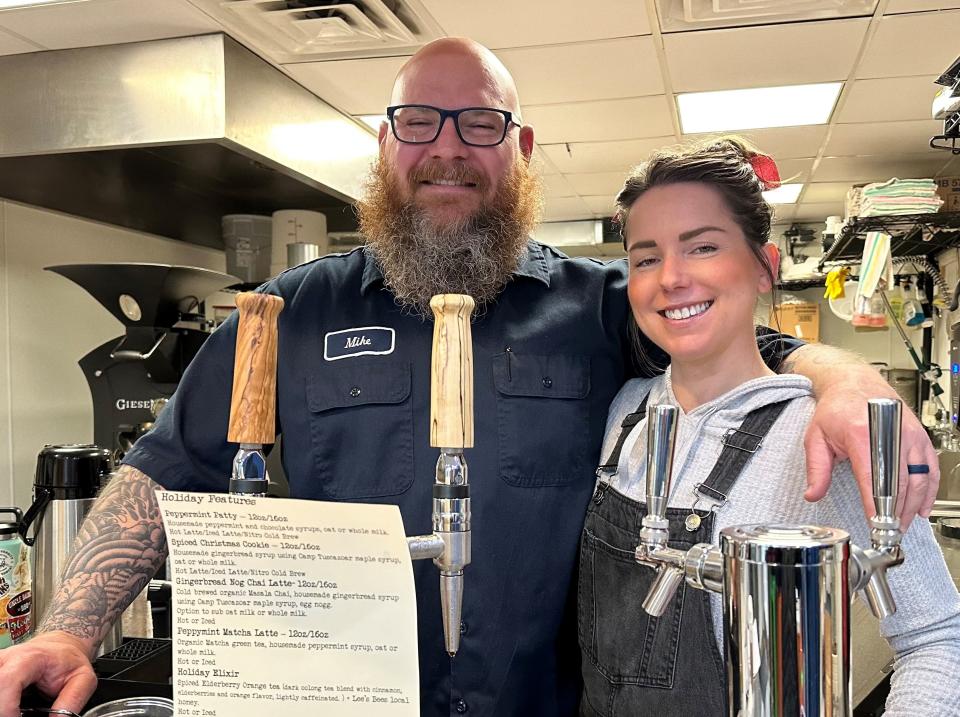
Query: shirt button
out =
(463, 628)
(355, 391)
(547, 382)
(460, 706)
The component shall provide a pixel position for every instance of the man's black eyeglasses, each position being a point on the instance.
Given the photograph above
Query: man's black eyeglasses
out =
(476, 126)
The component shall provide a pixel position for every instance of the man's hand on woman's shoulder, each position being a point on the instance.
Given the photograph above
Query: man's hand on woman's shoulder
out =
(839, 430)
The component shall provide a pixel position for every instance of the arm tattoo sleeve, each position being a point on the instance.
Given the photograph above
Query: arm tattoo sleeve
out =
(119, 548)
(788, 365)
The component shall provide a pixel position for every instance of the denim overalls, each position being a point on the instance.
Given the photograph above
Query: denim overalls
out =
(633, 664)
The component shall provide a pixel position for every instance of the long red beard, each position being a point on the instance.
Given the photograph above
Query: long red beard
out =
(474, 256)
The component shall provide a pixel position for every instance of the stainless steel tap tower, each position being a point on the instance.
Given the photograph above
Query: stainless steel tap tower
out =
(786, 590)
(451, 430)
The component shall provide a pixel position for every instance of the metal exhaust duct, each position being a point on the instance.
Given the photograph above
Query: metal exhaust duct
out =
(167, 136)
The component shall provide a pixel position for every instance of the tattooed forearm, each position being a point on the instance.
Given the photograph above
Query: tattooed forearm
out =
(789, 364)
(118, 550)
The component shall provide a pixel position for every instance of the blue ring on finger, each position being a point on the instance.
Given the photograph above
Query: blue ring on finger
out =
(917, 468)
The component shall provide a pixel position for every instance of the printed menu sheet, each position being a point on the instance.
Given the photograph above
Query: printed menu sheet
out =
(299, 607)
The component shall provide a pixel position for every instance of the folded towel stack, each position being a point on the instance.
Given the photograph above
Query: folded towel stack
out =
(900, 196)
(852, 203)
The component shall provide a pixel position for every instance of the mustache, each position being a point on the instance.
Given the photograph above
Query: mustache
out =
(436, 170)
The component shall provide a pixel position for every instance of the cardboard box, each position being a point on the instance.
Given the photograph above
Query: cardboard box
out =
(948, 189)
(799, 319)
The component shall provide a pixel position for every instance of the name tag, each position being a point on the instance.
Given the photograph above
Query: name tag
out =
(361, 341)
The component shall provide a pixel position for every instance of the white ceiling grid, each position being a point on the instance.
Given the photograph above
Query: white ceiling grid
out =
(105, 22)
(597, 81)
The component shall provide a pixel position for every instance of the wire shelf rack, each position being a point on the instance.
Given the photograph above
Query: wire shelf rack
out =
(911, 235)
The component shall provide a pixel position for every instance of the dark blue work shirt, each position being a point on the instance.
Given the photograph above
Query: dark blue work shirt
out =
(353, 383)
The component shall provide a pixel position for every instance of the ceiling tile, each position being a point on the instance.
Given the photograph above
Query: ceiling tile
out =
(795, 170)
(106, 22)
(782, 142)
(601, 206)
(618, 156)
(599, 121)
(730, 59)
(566, 209)
(889, 99)
(508, 23)
(597, 183)
(556, 185)
(541, 163)
(807, 212)
(878, 169)
(915, 44)
(13, 45)
(357, 87)
(895, 7)
(825, 192)
(874, 138)
(581, 71)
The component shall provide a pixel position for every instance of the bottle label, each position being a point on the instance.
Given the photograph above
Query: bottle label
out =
(15, 594)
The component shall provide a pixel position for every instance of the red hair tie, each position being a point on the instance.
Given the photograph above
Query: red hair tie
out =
(766, 170)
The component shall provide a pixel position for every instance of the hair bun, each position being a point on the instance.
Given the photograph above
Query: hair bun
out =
(734, 144)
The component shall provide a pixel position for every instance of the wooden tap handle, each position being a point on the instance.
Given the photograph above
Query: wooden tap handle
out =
(254, 398)
(451, 380)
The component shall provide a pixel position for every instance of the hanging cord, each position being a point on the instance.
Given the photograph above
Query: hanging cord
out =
(927, 267)
(923, 369)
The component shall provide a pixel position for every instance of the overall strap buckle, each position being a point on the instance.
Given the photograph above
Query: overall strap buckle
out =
(714, 501)
(746, 445)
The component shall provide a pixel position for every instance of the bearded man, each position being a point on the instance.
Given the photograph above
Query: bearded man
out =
(448, 209)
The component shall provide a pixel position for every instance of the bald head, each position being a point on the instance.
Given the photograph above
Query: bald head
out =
(466, 61)
(449, 177)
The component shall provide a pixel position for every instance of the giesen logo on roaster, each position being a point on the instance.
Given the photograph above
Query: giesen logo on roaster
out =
(124, 404)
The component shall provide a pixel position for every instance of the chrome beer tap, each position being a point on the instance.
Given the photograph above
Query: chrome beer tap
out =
(780, 581)
(870, 565)
(451, 430)
(654, 533)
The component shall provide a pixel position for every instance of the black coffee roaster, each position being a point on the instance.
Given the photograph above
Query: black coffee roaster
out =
(132, 377)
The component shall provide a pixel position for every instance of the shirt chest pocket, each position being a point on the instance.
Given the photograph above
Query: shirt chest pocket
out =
(543, 415)
(361, 428)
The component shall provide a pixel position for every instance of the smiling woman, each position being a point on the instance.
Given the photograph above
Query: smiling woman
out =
(696, 229)
(694, 281)
(696, 226)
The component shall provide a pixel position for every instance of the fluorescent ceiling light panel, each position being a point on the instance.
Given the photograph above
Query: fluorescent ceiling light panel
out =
(727, 110)
(784, 194)
(373, 121)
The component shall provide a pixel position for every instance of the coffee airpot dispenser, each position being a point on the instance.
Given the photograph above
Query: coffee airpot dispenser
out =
(786, 589)
(66, 484)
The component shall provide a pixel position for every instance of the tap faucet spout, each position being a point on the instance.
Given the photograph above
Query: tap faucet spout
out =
(871, 564)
